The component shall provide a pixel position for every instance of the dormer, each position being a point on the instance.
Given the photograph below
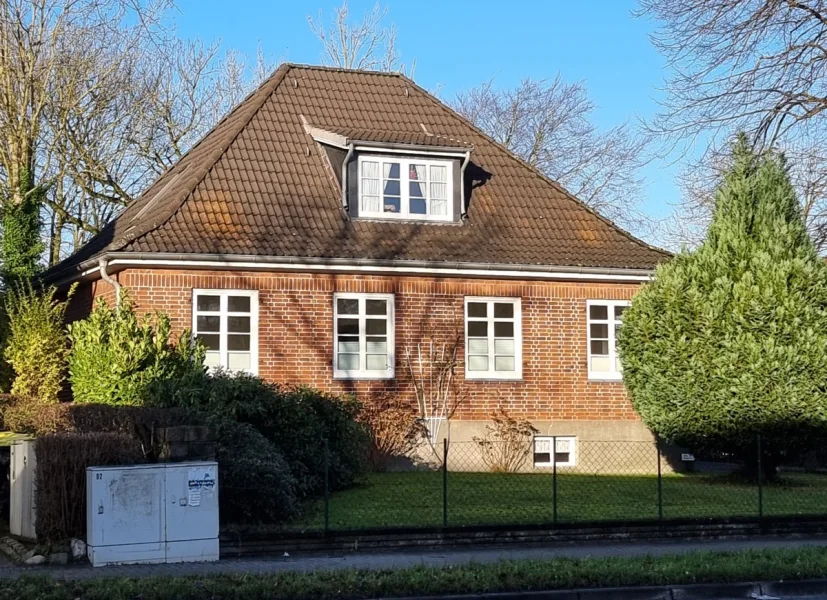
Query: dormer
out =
(397, 176)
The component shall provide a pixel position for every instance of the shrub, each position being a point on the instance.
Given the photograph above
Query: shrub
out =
(297, 421)
(60, 477)
(507, 442)
(256, 485)
(37, 345)
(395, 429)
(730, 341)
(115, 355)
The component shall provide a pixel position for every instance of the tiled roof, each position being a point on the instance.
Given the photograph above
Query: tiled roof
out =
(417, 138)
(258, 184)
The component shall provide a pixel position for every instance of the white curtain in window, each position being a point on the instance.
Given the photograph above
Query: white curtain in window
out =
(439, 190)
(370, 169)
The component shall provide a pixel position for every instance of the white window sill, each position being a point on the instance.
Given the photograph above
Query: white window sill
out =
(367, 375)
(406, 217)
(551, 465)
(480, 376)
(606, 377)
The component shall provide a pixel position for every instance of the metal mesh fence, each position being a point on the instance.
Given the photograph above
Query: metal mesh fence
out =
(563, 480)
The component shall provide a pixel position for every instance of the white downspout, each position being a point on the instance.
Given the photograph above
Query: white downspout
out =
(344, 176)
(103, 264)
(462, 182)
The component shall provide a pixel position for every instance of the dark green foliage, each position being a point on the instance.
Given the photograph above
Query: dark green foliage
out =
(22, 245)
(115, 355)
(256, 485)
(730, 341)
(297, 421)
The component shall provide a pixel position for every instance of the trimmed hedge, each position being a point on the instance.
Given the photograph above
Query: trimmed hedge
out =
(60, 477)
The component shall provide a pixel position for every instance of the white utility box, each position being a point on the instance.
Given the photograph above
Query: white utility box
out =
(22, 468)
(152, 513)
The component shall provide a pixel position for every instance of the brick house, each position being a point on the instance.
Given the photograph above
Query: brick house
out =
(336, 217)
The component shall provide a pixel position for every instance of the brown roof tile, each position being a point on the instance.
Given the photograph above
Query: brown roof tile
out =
(250, 187)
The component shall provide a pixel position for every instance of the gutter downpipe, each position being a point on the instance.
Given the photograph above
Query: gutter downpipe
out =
(348, 157)
(462, 182)
(103, 265)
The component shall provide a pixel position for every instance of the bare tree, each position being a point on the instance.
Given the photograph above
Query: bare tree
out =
(547, 123)
(363, 45)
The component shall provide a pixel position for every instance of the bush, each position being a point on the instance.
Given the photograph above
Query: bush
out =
(730, 341)
(60, 477)
(297, 421)
(37, 346)
(256, 485)
(395, 429)
(115, 355)
(507, 442)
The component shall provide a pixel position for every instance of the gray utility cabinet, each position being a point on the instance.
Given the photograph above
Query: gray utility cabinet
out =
(21, 485)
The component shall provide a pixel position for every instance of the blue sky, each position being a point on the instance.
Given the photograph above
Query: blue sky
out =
(460, 43)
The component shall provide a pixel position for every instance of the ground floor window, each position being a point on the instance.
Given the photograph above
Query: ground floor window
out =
(226, 322)
(605, 318)
(550, 449)
(363, 346)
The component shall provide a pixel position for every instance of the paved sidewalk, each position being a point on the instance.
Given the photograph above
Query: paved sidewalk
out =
(398, 560)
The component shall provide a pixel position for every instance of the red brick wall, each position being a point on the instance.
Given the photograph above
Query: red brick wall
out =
(296, 333)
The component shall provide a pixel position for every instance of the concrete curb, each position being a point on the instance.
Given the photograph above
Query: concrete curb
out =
(701, 591)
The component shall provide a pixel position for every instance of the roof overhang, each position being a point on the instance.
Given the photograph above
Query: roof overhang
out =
(118, 261)
(332, 138)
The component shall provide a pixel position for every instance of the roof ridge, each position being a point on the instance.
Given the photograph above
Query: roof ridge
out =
(212, 158)
(536, 172)
(330, 68)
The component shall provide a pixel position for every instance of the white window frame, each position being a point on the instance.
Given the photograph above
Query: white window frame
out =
(613, 374)
(491, 374)
(387, 373)
(404, 200)
(555, 439)
(223, 314)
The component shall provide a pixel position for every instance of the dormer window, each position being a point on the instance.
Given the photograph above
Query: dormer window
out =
(405, 188)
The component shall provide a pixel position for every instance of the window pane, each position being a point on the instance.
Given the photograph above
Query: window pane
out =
(376, 346)
(348, 346)
(370, 169)
(562, 457)
(416, 189)
(376, 307)
(477, 329)
(391, 204)
(349, 362)
(619, 312)
(238, 324)
(477, 346)
(348, 326)
(439, 173)
(376, 326)
(504, 363)
(504, 329)
(391, 170)
(392, 188)
(504, 347)
(598, 311)
(204, 324)
(238, 342)
(600, 364)
(542, 458)
(212, 360)
(599, 330)
(347, 306)
(370, 187)
(377, 362)
(439, 207)
(211, 341)
(238, 361)
(477, 309)
(209, 303)
(439, 190)
(416, 173)
(370, 204)
(238, 304)
(477, 363)
(503, 310)
(418, 206)
(600, 347)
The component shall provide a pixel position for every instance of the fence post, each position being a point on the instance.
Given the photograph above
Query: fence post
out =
(554, 477)
(326, 488)
(445, 482)
(660, 480)
(760, 480)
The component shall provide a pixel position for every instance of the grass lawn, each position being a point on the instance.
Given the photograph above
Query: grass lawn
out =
(414, 499)
(696, 567)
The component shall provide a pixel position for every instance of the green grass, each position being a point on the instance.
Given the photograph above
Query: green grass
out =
(414, 499)
(696, 567)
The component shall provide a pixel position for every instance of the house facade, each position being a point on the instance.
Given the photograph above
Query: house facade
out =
(336, 220)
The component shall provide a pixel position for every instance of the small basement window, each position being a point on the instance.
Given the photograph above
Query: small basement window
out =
(565, 454)
(405, 188)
